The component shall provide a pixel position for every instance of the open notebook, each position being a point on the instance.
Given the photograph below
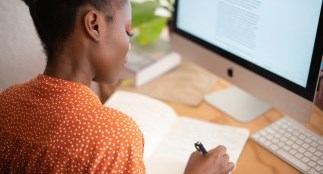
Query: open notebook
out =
(169, 139)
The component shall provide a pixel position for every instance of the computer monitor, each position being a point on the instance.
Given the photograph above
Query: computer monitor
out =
(270, 48)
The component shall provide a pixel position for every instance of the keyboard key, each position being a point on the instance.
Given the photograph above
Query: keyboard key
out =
(296, 133)
(280, 144)
(292, 151)
(288, 135)
(308, 140)
(275, 127)
(299, 142)
(315, 139)
(318, 168)
(294, 160)
(299, 156)
(277, 135)
(275, 147)
(275, 140)
(293, 138)
(285, 126)
(305, 145)
(267, 143)
(295, 146)
(302, 137)
(305, 160)
(318, 153)
(270, 130)
(308, 154)
(311, 149)
(290, 130)
(287, 148)
(314, 158)
(320, 162)
(320, 148)
(289, 143)
(283, 139)
(294, 126)
(269, 137)
(281, 131)
(301, 150)
(314, 144)
(312, 164)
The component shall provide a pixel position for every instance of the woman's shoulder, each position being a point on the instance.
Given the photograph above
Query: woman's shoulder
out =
(116, 116)
(119, 121)
(12, 90)
(19, 88)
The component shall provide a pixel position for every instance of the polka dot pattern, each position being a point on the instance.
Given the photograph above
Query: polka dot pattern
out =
(49, 125)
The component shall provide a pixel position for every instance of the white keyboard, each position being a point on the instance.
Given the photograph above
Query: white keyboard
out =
(293, 143)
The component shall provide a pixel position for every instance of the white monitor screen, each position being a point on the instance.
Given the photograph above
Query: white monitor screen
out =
(278, 36)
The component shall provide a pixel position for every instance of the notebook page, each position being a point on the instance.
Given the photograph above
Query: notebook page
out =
(173, 153)
(153, 116)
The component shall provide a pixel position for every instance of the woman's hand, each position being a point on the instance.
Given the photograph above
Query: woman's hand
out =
(216, 161)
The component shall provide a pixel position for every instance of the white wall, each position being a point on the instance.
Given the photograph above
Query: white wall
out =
(21, 55)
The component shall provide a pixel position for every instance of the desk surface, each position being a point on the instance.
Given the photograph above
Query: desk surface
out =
(254, 158)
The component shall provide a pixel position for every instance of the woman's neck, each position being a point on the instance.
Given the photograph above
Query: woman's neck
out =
(72, 66)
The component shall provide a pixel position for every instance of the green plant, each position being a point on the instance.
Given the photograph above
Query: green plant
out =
(146, 23)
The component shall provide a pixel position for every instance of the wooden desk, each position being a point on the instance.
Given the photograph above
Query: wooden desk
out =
(254, 158)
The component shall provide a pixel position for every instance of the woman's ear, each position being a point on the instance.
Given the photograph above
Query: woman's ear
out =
(92, 25)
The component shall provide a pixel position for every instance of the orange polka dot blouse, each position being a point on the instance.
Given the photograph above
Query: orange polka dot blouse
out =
(49, 125)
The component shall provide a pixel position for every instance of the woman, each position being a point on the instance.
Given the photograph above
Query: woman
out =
(55, 123)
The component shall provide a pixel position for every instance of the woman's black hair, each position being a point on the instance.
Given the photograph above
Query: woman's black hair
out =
(55, 19)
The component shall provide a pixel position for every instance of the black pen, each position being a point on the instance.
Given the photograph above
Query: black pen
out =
(199, 147)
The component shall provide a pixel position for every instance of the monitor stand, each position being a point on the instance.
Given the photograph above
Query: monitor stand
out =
(237, 104)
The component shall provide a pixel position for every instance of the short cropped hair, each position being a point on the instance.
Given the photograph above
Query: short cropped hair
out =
(54, 20)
